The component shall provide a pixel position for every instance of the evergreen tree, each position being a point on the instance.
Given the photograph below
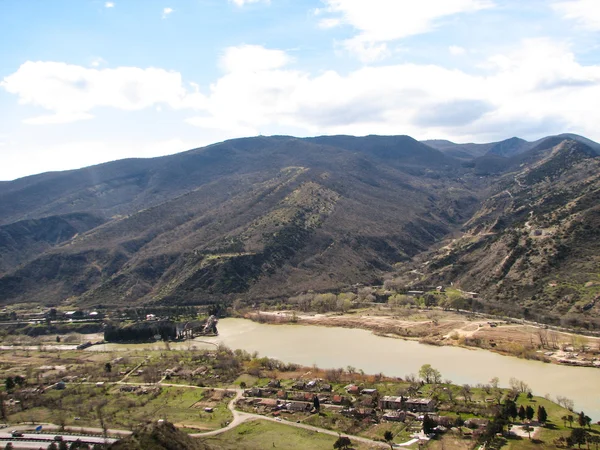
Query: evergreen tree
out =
(10, 384)
(510, 409)
(428, 424)
(542, 415)
(529, 412)
(389, 437)
(522, 413)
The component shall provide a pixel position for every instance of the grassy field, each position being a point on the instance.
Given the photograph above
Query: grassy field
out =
(262, 435)
(123, 410)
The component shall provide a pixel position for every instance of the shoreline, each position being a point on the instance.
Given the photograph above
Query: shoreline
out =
(524, 341)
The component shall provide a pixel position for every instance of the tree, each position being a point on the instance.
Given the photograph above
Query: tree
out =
(494, 382)
(108, 367)
(511, 409)
(581, 419)
(429, 300)
(63, 446)
(429, 374)
(594, 440)
(518, 386)
(564, 419)
(343, 442)
(9, 446)
(522, 413)
(528, 429)
(465, 390)
(542, 415)
(570, 419)
(428, 424)
(529, 412)
(316, 403)
(10, 384)
(389, 437)
(52, 446)
(578, 436)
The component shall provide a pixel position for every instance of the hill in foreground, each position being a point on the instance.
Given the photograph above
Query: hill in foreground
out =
(159, 436)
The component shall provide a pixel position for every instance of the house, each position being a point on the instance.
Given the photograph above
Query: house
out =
(476, 423)
(389, 402)
(420, 404)
(337, 399)
(361, 413)
(311, 384)
(394, 416)
(269, 402)
(282, 394)
(298, 406)
(255, 392)
(60, 385)
(298, 385)
(352, 389)
(415, 293)
(326, 387)
(369, 391)
(274, 384)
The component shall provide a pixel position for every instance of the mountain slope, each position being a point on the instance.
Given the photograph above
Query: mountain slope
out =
(534, 245)
(267, 217)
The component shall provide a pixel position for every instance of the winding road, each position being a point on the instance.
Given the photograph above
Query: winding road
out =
(239, 417)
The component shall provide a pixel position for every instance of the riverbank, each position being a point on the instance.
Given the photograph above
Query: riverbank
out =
(448, 328)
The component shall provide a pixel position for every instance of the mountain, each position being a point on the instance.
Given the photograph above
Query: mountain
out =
(459, 151)
(533, 247)
(510, 147)
(264, 218)
(247, 218)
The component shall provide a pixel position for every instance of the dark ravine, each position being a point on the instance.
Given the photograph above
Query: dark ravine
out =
(269, 217)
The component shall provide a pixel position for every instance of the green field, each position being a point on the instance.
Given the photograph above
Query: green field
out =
(261, 435)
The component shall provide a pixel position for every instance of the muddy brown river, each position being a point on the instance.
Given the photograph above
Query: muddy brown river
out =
(329, 347)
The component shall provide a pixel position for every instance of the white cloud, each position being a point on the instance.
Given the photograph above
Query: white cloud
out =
(71, 92)
(166, 12)
(585, 12)
(97, 62)
(241, 3)
(52, 119)
(538, 88)
(109, 5)
(252, 58)
(457, 50)
(378, 22)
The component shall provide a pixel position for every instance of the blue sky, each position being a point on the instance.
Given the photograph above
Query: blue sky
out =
(89, 81)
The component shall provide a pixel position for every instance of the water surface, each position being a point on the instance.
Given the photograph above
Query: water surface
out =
(330, 347)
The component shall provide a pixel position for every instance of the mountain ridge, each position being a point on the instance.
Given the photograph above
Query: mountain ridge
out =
(266, 217)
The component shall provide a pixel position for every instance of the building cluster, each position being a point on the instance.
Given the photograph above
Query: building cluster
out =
(357, 402)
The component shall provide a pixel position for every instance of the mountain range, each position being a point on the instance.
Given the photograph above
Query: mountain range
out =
(262, 218)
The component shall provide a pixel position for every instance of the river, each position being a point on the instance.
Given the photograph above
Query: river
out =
(329, 347)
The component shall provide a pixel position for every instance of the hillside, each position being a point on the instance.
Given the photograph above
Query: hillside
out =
(159, 436)
(269, 217)
(266, 217)
(534, 245)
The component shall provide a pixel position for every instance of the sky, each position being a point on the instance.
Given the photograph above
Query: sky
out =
(88, 81)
